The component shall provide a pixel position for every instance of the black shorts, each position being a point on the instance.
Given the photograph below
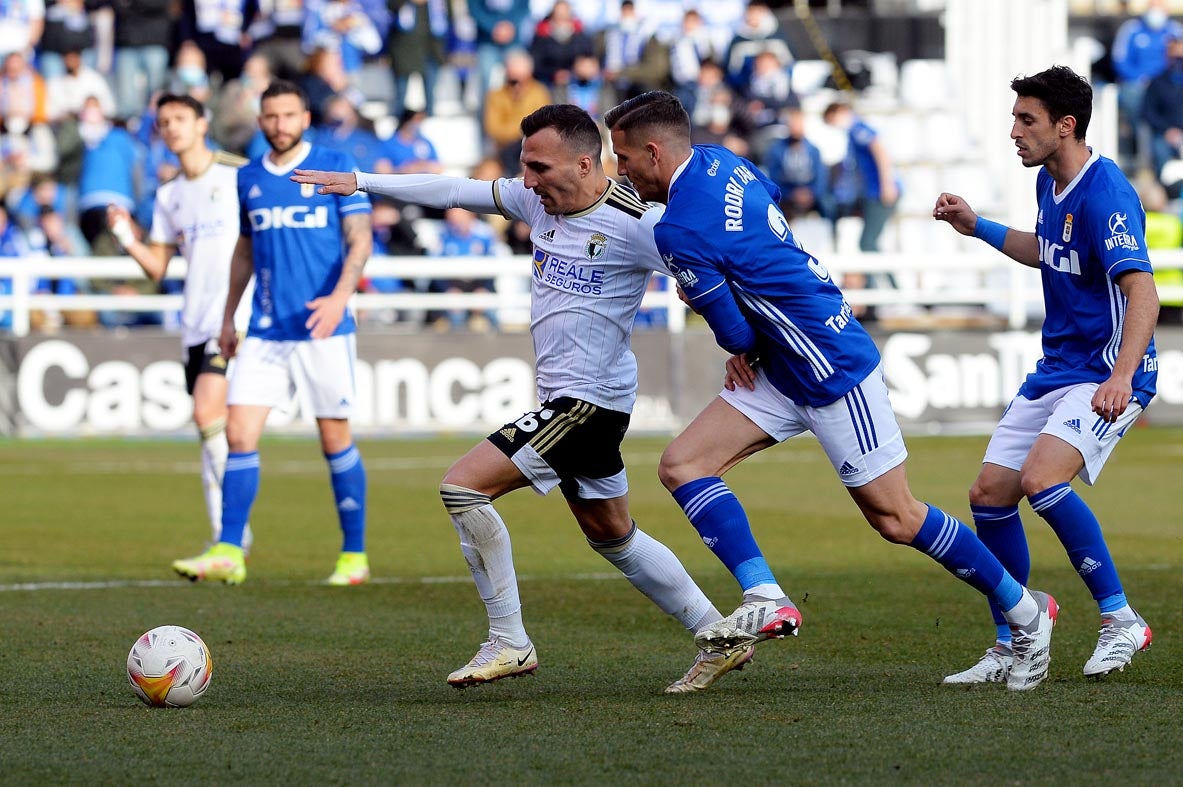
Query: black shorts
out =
(202, 359)
(564, 440)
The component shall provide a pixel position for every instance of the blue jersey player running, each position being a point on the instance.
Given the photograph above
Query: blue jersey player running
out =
(802, 363)
(1099, 366)
(307, 252)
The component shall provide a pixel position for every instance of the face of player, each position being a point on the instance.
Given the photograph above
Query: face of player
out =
(283, 120)
(1036, 136)
(560, 176)
(638, 163)
(180, 127)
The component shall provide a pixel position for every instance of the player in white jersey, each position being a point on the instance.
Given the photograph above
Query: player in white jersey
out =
(1099, 365)
(197, 214)
(593, 255)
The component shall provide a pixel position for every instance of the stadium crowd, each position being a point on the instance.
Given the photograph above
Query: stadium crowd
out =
(78, 79)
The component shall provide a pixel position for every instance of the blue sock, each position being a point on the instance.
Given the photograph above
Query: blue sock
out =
(1080, 533)
(1001, 530)
(955, 547)
(240, 485)
(349, 489)
(721, 521)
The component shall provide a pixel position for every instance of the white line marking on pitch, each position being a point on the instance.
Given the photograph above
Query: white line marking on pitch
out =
(164, 583)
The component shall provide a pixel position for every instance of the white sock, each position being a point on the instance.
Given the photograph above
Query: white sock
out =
(485, 544)
(214, 450)
(769, 591)
(1023, 612)
(656, 571)
(213, 466)
(1125, 613)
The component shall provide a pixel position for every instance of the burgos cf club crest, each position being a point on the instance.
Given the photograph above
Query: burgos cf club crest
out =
(597, 244)
(307, 190)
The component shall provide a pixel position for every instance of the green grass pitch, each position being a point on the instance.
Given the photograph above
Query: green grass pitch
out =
(318, 685)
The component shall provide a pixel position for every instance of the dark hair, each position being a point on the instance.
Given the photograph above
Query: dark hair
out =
(574, 126)
(656, 108)
(282, 87)
(176, 98)
(1062, 92)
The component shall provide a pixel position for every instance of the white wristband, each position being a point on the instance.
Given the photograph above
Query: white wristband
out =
(123, 233)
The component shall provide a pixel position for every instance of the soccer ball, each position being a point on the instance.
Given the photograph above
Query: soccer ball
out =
(169, 667)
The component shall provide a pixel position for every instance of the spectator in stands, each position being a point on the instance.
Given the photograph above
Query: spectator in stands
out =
(343, 26)
(393, 236)
(1139, 54)
(502, 26)
(596, 15)
(795, 165)
(721, 122)
(68, 91)
(635, 59)
(217, 28)
(768, 91)
(21, 24)
(558, 40)
(464, 235)
(53, 236)
(111, 174)
(586, 89)
(758, 32)
(1162, 107)
(12, 245)
(869, 158)
(417, 45)
(236, 117)
(507, 105)
(67, 29)
(143, 37)
(324, 77)
(408, 151)
(1164, 230)
(342, 131)
(189, 76)
(42, 192)
(23, 99)
(721, 18)
(687, 54)
(276, 30)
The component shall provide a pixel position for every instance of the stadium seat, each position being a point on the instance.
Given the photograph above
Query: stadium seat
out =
(944, 138)
(815, 234)
(924, 84)
(457, 140)
(809, 76)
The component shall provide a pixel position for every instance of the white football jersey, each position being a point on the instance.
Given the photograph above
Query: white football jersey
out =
(200, 217)
(591, 270)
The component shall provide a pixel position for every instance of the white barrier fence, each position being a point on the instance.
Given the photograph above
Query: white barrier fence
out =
(987, 282)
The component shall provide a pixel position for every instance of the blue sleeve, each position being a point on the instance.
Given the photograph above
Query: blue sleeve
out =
(772, 189)
(705, 288)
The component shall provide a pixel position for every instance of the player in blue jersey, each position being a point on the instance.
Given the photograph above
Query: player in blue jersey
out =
(801, 363)
(1099, 365)
(307, 252)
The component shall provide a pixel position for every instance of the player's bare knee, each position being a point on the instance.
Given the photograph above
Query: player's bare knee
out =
(673, 471)
(892, 528)
(1032, 482)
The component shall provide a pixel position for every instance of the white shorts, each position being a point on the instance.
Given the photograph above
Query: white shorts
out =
(1066, 413)
(859, 432)
(270, 373)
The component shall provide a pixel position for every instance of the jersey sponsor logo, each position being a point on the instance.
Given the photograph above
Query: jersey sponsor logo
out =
(819, 270)
(293, 217)
(1067, 233)
(1040, 219)
(569, 276)
(841, 319)
(684, 276)
(547, 236)
(1149, 363)
(1049, 255)
(254, 192)
(777, 222)
(596, 245)
(307, 190)
(509, 433)
(1073, 424)
(847, 469)
(713, 169)
(741, 176)
(1119, 234)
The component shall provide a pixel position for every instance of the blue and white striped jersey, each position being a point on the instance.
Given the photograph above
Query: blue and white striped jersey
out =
(727, 243)
(298, 243)
(1089, 235)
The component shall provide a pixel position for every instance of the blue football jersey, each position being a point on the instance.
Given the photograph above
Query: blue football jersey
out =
(299, 247)
(723, 237)
(1089, 235)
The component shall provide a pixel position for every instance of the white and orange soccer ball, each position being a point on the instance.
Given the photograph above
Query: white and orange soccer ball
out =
(169, 667)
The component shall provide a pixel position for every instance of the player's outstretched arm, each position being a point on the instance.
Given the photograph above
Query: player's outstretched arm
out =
(153, 258)
(241, 267)
(1022, 247)
(343, 183)
(328, 310)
